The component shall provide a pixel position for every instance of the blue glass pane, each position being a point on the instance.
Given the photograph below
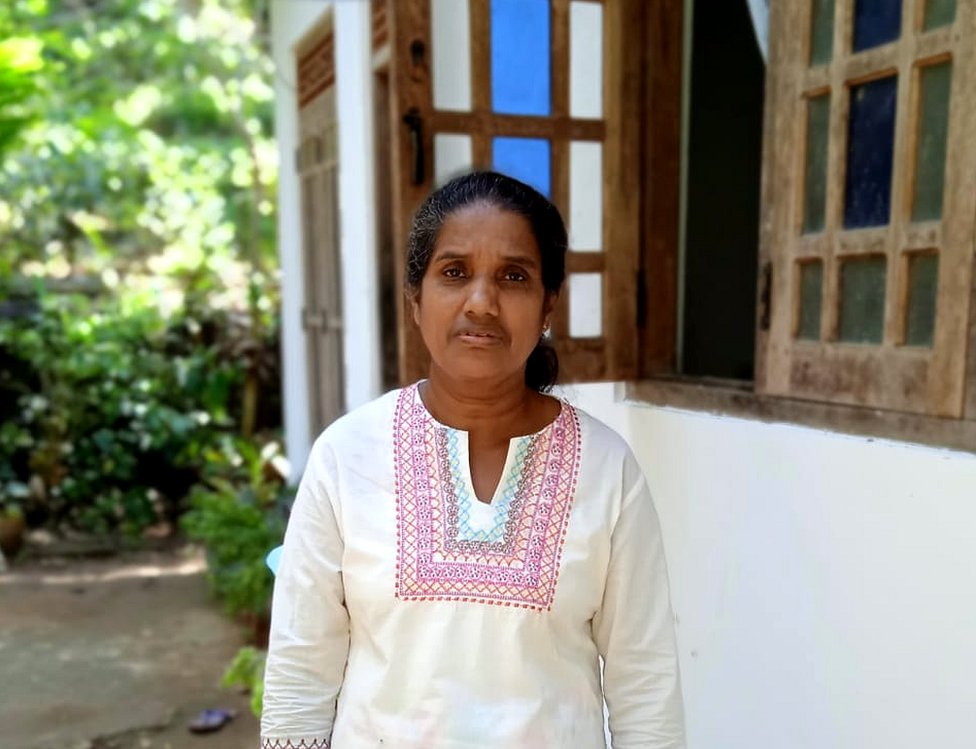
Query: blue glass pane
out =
(870, 146)
(876, 22)
(520, 56)
(526, 159)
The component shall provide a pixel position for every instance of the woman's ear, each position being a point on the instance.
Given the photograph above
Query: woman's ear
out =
(413, 301)
(549, 304)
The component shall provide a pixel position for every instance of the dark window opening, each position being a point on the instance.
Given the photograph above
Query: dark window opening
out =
(722, 196)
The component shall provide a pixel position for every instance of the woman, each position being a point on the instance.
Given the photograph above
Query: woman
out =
(462, 551)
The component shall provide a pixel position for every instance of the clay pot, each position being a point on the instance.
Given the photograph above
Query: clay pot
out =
(12, 528)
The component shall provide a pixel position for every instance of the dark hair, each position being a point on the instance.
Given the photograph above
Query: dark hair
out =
(507, 194)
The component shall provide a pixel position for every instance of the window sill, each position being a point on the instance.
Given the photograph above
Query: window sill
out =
(737, 399)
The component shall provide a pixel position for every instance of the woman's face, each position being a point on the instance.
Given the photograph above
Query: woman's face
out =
(481, 304)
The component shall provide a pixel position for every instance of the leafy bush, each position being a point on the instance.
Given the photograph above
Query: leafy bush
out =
(239, 514)
(246, 672)
(108, 409)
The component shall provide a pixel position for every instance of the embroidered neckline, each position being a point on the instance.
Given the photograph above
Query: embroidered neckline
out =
(440, 554)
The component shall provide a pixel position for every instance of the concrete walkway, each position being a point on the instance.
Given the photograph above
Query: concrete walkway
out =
(115, 654)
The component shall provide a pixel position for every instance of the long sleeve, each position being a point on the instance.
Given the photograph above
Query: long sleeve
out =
(309, 639)
(634, 632)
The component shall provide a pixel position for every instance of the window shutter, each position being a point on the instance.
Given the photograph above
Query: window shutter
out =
(317, 162)
(544, 91)
(869, 201)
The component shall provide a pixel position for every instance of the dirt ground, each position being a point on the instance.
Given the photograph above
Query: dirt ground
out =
(117, 653)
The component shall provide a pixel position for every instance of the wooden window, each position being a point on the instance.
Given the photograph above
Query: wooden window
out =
(870, 203)
(788, 240)
(862, 301)
(527, 87)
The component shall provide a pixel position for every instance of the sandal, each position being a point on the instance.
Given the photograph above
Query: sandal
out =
(212, 720)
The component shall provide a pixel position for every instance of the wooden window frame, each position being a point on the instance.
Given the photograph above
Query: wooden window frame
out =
(659, 384)
(614, 354)
(655, 125)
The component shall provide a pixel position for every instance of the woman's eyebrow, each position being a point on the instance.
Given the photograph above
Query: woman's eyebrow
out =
(521, 260)
(448, 255)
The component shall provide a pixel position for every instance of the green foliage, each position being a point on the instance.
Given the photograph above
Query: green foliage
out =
(20, 58)
(246, 672)
(238, 513)
(136, 150)
(108, 410)
(145, 148)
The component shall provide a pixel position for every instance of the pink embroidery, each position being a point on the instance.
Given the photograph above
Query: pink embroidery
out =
(289, 744)
(522, 568)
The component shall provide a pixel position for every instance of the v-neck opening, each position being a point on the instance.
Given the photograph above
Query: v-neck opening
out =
(467, 477)
(508, 467)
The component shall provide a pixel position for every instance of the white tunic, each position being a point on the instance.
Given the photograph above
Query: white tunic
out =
(409, 615)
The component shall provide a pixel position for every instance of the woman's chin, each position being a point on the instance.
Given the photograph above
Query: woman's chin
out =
(479, 365)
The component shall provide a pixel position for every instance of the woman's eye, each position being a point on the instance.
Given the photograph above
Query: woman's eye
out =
(514, 275)
(453, 272)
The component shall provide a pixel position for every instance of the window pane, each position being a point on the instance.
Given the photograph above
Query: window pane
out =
(923, 285)
(585, 305)
(451, 33)
(933, 130)
(862, 300)
(939, 13)
(811, 285)
(586, 60)
(452, 155)
(526, 159)
(585, 195)
(822, 32)
(870, 145)
(520, 56)
(815, 173)
(876, 22)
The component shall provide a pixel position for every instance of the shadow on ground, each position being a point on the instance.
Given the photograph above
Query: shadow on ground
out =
(119, 653)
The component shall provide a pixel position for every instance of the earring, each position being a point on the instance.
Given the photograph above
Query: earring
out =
(546, 329)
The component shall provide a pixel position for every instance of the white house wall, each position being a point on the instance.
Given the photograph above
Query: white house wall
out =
(290, 19)
(360, 301)
(823, 584)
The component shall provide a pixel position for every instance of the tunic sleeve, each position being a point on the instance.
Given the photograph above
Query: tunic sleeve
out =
(634, 632)
(309, 639)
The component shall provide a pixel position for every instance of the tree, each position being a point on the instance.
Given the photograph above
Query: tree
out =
(150, 152)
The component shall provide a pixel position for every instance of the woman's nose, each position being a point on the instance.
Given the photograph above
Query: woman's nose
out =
(482, 296)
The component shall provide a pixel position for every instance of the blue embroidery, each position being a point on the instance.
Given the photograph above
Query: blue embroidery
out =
(500, 506)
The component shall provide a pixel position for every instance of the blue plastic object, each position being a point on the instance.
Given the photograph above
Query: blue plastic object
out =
(273, 559)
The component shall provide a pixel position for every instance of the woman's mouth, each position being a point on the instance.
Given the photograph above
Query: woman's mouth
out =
(480, 337)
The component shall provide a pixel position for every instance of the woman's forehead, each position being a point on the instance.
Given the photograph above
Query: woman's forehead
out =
(482, 227)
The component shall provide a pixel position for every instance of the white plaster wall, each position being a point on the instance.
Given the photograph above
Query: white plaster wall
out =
(357, 204)
(824, 585)
(290, 19)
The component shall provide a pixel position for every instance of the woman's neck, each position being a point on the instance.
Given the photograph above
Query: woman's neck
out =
(486, 410)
